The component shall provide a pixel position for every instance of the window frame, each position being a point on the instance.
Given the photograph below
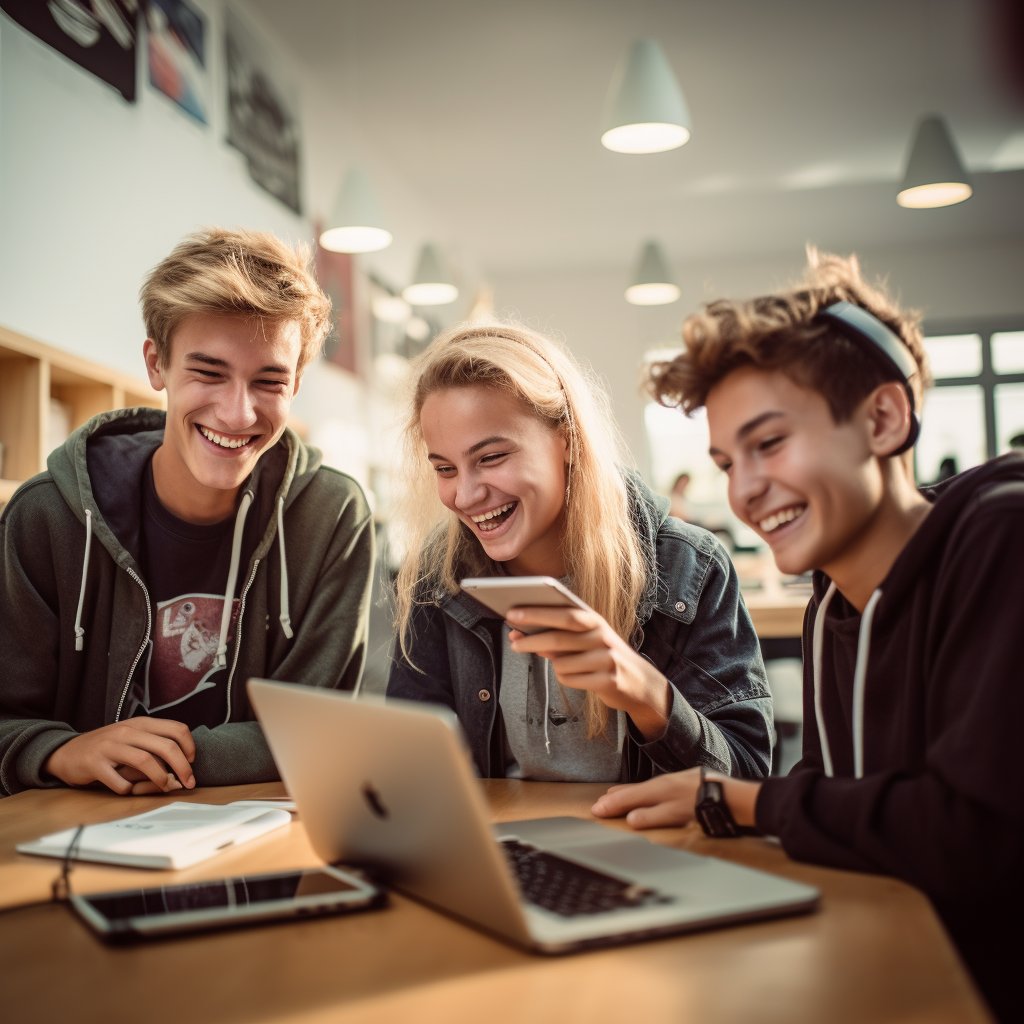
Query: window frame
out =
(988, 379)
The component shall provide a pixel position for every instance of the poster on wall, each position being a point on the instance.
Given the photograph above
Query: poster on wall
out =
(176, 45)
(263, 119)
(98, 35)
(336, 273)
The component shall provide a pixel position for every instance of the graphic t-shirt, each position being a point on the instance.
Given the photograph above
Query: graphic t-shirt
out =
(185, 567)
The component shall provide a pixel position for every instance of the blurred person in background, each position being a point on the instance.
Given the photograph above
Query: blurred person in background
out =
(677, 496)
(145, 571)
(512, 467)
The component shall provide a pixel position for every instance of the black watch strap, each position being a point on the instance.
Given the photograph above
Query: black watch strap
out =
(713, 812)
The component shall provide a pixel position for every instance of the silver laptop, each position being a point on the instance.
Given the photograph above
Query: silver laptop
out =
(389, 785)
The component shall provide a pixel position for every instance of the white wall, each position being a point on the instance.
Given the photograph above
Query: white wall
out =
(94, 191)
(586, 307)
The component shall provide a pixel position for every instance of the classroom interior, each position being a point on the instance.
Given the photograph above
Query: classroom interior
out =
(470, 135)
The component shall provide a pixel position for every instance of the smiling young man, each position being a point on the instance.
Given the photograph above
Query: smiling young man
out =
(162, 560)
(913, 700)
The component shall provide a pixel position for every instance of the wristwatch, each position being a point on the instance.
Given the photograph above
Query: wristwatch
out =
(713, 812)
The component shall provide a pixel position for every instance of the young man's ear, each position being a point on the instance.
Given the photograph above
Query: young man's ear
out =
(153, 368)
(889, 418)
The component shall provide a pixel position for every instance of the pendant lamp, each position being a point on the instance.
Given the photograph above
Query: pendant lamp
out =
(935, 174)
(645, 111)
(431, 285)
(652, 282)
(357, 223)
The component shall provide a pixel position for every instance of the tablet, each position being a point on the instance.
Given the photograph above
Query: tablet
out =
(134, 914)
(502, 593)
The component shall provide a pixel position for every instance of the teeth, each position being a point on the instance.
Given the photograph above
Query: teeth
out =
(490, 515)
(787, 515)
(224, 442)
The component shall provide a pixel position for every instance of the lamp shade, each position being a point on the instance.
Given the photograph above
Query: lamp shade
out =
(645, 111)
(652, 281)
(935, 174)
(357, 223)
(431, 285)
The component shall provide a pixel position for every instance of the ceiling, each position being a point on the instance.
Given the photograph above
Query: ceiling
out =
(802, 113)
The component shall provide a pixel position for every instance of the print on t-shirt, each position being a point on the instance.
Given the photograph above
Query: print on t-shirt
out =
(184, 643)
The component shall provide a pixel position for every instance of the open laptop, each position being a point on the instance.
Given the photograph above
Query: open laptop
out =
(390, 786)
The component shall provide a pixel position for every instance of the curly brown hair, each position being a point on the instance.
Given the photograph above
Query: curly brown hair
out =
(780, 332)
(236, 272)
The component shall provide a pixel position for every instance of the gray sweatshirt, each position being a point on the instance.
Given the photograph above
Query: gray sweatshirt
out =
(546, 725)
(75, 615)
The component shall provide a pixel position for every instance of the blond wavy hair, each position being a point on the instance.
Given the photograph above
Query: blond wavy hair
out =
(602, 549)
(236, 273)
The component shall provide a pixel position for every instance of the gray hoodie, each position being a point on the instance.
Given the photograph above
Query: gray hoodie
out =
(75, 614)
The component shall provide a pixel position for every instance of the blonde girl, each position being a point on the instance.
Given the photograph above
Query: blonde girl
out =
(512, 466)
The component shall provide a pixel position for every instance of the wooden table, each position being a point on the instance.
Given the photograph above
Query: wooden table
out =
(874, 953)
(776, 616)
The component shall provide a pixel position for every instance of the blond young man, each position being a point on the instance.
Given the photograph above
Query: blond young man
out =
(912, 695)
(163, 559)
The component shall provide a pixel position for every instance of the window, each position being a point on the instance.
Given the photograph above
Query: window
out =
(977, 404)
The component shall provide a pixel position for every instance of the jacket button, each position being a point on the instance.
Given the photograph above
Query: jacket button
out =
(484, 694)
(680, 606)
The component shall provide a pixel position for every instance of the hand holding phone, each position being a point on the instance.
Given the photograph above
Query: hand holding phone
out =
(584, 651)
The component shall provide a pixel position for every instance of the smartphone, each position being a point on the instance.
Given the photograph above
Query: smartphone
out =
(501, 593)
(134, 914)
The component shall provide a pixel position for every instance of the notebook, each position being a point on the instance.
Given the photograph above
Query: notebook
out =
(176, 835)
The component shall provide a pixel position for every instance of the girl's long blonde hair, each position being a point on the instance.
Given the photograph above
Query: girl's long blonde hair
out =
(602, 550)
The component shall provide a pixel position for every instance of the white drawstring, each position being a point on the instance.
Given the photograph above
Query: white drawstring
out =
(285, 618)
(859, 683)
(79, 631)
(860, 674)
(547, 698)
(819, 632)
(221, 659)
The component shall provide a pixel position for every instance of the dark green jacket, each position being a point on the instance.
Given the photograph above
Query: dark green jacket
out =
(49, 691)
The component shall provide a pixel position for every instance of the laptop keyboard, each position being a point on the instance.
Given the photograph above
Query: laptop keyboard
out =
(569, 889)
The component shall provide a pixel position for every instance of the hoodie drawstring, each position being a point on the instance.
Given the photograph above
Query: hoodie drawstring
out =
(284, 617)
(79, 631)
(221, 659)
(860, 674)
(547, 709)
(819, 632)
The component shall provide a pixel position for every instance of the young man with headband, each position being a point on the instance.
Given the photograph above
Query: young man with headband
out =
(162, 560)
(912, 681)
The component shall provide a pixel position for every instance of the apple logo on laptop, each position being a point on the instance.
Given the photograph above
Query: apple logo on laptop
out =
(374, 801)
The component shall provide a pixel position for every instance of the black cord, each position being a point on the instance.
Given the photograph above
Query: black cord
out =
(61, 887)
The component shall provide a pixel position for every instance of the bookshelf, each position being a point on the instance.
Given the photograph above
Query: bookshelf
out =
(31, 374)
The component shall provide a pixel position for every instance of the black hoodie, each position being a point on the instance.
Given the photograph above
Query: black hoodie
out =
(941, 800)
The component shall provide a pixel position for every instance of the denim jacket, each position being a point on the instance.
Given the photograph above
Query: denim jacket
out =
(696, 632)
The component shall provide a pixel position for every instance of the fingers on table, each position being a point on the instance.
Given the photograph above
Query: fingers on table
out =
(145, 788)
(112, 779)
(663, 815)
(621, 799)
(164, 747)
(142, 760)
(176, 731)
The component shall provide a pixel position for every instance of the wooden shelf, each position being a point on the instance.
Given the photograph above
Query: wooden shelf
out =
(32, 374)
(7, 488)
